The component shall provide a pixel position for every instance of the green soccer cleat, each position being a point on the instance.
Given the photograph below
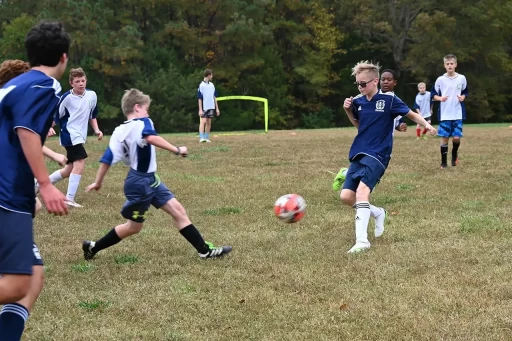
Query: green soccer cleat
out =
(339, 179)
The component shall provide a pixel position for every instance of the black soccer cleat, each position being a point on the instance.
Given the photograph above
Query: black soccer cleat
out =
(455, 162)
(215, 252)
(87, 246)
(444, 165)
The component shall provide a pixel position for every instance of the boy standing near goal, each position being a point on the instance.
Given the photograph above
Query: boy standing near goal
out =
(373, 114)
(208, 106)
(423, 106)
(77, 107)
(451, 90)
(134, 142)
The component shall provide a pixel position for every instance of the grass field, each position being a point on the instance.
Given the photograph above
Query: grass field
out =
(442, 270)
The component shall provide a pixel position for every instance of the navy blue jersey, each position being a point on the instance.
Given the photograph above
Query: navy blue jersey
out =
(27, 101)
(376, 125)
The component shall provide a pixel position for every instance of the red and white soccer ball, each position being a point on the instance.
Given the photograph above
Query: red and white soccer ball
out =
(290, 208)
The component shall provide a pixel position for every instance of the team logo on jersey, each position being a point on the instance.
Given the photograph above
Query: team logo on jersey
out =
(379, 106)
(91, 104)
(359, 109)
(459, 86)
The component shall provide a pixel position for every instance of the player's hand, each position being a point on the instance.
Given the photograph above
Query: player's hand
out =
(183, 151)
(62, 160)
(51, 133)
(53, 199)
(461, 98)
(99, 134)
(402, 127)
(218, 112)
(201, 113)
(432, 130)
(444, 98)
(94, 186)
(348, 103)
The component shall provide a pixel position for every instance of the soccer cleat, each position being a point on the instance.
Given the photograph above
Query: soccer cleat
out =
(425, 137)
(359, 247)
(215, 252)
(87, 246)
(444, 165)
(417, 138)
(208, 141)
(339, 179)
(71, 203)
(379, 223)
(202, 140)
(455, 162)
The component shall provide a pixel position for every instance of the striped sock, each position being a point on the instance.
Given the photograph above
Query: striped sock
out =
(362, 219)
(12, 321)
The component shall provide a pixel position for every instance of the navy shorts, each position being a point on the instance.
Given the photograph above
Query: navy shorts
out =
(209, 113)
(452, 128)
(365, 169)
(143, 190)
(18, 253)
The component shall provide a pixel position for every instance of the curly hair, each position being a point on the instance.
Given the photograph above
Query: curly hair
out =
(12, 68)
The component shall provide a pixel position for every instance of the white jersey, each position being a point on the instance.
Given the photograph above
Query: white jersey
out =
(207, 93)
(128, 144)
(73, 116)
(423, 103)
(452, 108)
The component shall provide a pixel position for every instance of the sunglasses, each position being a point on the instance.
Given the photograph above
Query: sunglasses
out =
(363, 84)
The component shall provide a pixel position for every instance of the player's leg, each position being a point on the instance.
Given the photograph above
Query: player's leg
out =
(456, 136)
(202, 124)
(65, 172)
(369, 173)
(444, 132)
(76, 156)
(418, 131)
(165, 200)
(13, 317)
(208, 126)
(16, 256)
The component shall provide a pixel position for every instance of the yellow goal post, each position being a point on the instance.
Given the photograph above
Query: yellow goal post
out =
(250, 98)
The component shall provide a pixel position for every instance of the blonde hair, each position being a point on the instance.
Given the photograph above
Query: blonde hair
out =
(12, 68)
(367, 66)
(449, 57)
(421, 83)
(131, 98)
(76, 73)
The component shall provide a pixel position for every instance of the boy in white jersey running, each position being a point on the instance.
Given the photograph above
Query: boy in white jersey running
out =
(451, 90)
(134, 142)
(423, 106)
(373, 114)
(77, 107)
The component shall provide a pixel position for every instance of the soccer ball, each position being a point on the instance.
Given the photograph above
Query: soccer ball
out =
(290, 208)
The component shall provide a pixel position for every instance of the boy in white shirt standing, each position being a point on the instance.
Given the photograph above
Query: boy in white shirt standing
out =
(423, 106)
(451, 90)
(208, 106)
(76, 107)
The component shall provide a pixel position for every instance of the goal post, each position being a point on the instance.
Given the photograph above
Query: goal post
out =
(250, 98)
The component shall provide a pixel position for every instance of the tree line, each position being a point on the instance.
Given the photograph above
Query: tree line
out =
(296, 53)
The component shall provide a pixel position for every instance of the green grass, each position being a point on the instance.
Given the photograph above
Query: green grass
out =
(439, 272)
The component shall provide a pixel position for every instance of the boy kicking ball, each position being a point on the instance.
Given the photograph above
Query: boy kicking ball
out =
(134, 142)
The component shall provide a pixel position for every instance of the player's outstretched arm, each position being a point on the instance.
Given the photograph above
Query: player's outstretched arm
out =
(59, 158)
(417, 118)
(100, 176)
(160, 142)
(32, 149)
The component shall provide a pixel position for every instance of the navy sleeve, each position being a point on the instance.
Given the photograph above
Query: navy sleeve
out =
(355, 113)
(94, 112)
(398, 107)
(465, 91)
(36, 111)
(199, 93)
(215, 94)
(149, 129)
(107, 156)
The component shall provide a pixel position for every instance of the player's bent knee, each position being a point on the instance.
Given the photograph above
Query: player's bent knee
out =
(15, 287)
(456, 139)
(348, 197)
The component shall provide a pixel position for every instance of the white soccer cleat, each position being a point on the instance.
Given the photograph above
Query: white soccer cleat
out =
(359, 247)
(379, 223)
(208, 141)
(71, 203)
(202, 140)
